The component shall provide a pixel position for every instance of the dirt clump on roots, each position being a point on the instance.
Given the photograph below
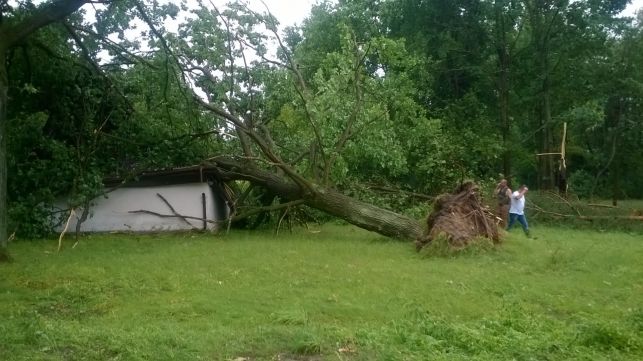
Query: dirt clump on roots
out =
(461, 218)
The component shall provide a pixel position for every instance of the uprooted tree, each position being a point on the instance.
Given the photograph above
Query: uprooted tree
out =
(296, 140)
(301, 131)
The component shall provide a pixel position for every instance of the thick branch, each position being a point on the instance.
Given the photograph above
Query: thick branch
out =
(43, 16)
(265, 148)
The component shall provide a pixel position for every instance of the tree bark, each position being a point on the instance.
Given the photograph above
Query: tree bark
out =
(4, 87)
(356, 212)
(546, 167)
(613, 118)
(543, 18)
(504, 58)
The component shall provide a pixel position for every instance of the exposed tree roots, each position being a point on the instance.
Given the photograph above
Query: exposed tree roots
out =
(461, 218)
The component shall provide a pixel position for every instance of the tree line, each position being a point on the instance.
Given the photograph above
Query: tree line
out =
(362, 111)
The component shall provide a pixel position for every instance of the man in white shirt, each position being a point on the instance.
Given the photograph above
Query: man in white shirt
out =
(517, 209)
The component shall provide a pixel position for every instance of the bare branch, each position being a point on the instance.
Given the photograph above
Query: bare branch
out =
(176, 216)
(259, 141)
(174, 211)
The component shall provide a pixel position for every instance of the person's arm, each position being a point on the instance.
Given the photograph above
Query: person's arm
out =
(521, 193)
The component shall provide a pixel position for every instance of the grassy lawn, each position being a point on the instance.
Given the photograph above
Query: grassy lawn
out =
(338, 293)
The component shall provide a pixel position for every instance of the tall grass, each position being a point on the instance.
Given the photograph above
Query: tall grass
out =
(335, 293)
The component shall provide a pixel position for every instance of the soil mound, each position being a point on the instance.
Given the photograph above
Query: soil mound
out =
(461, 218)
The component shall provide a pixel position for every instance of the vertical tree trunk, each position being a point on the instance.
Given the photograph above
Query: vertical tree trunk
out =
(543, 16)
(615, 184)
(546, 163)
(504, 120)
(4, 87)
(614, 113)
(504, 63)
(503, 104)
(548, 168)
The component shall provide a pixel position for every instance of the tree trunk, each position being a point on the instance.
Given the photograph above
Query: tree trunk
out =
(361, 214)
(613, 119)
(503, 85)
(503, 104)
(542, 17)
(366, 215)
(547, 164)
(4, 87)
(505, 124)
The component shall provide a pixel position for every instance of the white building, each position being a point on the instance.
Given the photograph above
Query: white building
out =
(172, 200)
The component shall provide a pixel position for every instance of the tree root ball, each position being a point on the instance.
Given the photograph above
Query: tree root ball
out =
(461, 218)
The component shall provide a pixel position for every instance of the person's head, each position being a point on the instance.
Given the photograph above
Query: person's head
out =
(503, 182)
(523, 188)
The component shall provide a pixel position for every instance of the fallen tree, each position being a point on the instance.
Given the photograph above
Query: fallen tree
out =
(345, 104)
(354, 211)
(265, 157)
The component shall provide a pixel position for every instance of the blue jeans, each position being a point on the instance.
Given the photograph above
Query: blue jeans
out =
(521, 218)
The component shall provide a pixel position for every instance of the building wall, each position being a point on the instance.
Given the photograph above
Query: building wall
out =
(113, 212)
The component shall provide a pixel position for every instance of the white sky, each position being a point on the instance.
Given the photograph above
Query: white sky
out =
(288, 12)
(631, 9)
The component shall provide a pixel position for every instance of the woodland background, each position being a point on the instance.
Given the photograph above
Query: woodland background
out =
(385, 101)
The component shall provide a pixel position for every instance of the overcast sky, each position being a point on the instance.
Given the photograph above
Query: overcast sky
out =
(633, 7)
(288, 12)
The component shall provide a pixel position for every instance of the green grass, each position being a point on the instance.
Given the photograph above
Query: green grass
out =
(337, 294)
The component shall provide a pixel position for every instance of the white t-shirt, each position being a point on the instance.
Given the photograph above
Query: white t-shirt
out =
(517, 204)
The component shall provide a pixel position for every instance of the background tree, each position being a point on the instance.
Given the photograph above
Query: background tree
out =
(14, 29)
